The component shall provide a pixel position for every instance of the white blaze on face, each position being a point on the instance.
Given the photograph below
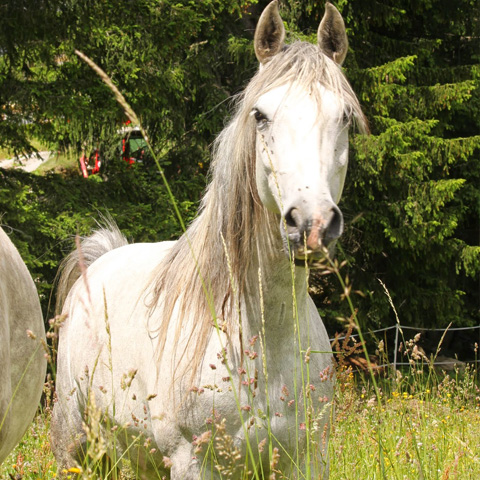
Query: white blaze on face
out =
(301, 153)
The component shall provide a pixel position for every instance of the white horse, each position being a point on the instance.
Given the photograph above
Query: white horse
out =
(22, 356)
(201, 346)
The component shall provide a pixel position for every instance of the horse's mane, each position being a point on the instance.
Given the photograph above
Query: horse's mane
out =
(205, 271)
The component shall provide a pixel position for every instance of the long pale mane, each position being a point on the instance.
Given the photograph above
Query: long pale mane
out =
(232, 225)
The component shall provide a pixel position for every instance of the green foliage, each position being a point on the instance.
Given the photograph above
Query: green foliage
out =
(170, 61)
(412, 192)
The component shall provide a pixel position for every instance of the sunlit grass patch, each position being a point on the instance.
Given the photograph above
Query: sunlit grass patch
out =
(417, 430)
(32, 458)
(60, 162)
(7, 153)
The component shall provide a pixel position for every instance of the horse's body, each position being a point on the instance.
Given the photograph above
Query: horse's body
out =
(208, 337)
(22, 357)
(171, 419)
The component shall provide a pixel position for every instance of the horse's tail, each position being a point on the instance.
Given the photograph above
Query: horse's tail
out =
(107, 237)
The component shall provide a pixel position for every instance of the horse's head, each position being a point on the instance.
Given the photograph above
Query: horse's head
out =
(302, 124)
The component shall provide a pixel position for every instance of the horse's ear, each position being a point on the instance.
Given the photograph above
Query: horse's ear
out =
(332, 37)
(269, 34)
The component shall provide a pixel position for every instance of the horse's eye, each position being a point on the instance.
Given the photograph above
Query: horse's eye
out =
(260, 118)
(347, 118)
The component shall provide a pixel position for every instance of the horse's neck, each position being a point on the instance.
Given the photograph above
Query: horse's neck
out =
(274, 296)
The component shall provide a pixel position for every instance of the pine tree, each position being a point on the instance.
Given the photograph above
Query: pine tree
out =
(413, 191)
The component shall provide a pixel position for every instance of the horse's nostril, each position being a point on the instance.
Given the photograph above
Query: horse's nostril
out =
(334, 227)
(293, 218)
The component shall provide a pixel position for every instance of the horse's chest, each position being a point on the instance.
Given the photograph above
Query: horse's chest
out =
(264, 407)
(271, 396)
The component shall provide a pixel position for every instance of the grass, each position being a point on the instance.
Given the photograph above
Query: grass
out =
(32, 458)
(421, 428)
(59, 162)
(418, 430)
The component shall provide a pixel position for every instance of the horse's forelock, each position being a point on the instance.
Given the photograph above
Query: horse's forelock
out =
(304, 65)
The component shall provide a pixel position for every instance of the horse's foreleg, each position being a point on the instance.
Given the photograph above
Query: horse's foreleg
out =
(186, 466)
(67, 436)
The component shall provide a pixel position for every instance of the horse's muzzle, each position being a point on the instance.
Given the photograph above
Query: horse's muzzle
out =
(309, 234)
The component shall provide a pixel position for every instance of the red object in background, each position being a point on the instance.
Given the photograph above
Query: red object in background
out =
(83, 166)
(125, 155)
(90, 165)
(98, 163)
(134, 147)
